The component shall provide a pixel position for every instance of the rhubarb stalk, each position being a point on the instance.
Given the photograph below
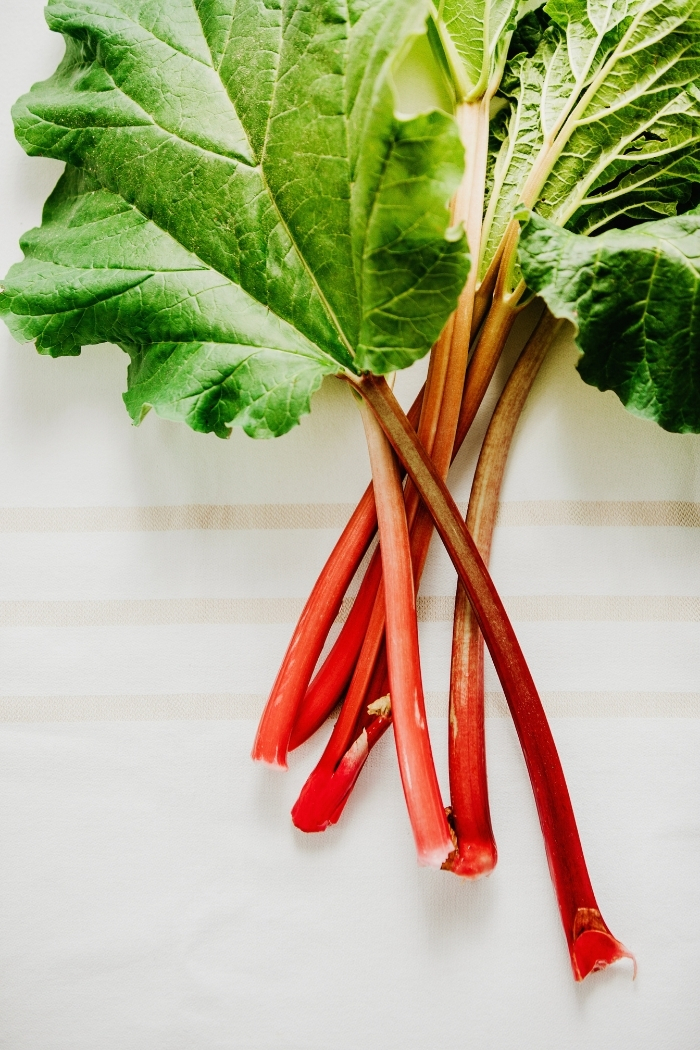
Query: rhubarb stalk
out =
(591, 945)
(471, 819)
(321, 609)
(317, 805)
(337, 669)
(311, 812)
(272, 739)
(353, 640)
(425, 807)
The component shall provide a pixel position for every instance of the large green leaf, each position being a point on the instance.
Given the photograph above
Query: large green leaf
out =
(606, 113)
(479, 33)
(649, 191)
(634, 296)
(243, 210)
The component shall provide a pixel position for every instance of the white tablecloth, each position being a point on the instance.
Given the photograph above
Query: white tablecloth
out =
(153, 893)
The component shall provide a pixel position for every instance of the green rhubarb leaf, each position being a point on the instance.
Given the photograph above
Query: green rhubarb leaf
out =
(650, 191)
(605, 118)
(476, 36)
(243, 211)
(202, 349)
(524, 41)
(477, 31)
(634, 297)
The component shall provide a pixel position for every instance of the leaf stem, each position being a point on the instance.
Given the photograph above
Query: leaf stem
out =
(497, 326)
(337, 669)
(471, 819)
(314, 809)
(591, 945)
(272, 740)
(317, 806)
(473, 121)
(310, 813)
(425, 807)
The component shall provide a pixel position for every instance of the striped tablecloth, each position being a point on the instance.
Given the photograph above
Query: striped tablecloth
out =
(153, 893)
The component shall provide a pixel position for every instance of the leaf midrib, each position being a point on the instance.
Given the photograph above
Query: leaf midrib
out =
(326, 305)
(543, 168)
(259, 168)
(643, 91)
(566, 210)
(611, 195)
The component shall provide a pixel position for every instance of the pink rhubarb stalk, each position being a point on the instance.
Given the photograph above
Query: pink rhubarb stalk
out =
(471, 819)
(322, 607)
(425, 807)
(316, 806)
(337, 669)
(591, 945)
(311, 813)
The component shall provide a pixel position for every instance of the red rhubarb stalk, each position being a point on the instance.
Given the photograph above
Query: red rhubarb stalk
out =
(275, 728)
(591, 945)
(315, 808)
(350, 766)
(336, 671)
(322, 607)
(311, 812)
(426, 811)
(373, 721)
(318, 803)
(356, 634)
(471, 819)
(337, 668)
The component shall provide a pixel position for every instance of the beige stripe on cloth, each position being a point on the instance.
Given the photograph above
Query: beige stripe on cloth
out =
(145, 612)
(658, 513)
(238, 706)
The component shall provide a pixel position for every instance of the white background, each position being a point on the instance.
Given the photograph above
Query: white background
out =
(153, 893)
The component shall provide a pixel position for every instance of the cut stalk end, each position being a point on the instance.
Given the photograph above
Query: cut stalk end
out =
(274, 758)
(593, 946)
(433, 856)
(325, 793)
(474, 861)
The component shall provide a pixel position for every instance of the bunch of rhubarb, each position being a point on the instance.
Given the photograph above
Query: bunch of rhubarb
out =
(260, 195)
